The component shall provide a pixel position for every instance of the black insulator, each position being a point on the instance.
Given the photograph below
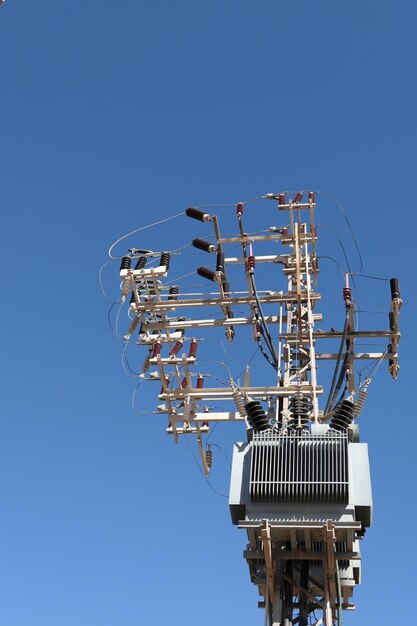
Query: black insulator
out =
(220, 261)
(165, 259)
(226, 287)
(209, 458)
(300, 407)
(343, 416)
(140, 263)
(256, 416)
(395, 288)
(206, 246)
(173, 292)
(206, 273)
(393, 321)
(125, 264)
(132, 298)
(201, 216)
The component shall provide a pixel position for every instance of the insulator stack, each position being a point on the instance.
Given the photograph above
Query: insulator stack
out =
(206, 246)
(395, 288)
(176, 348)
(133, 326)
(173, 292)
(343, 416)
(360, 402)
(239, 402)
(193, 349)
(133, 298)
(156, 349)
(347, 294)
(311, 197)
(200, 382)
(126, 287)
(239, 208)
(209, 458)
(186, 411)
(256, 416)
(184, 383)
(298, 197)
(246, 377)
(140, 263)
(226, 287)
(201, 216)
(125, 264)
(281, 199)
(204, 272)
(250, 263)
(393, 321)
(300, 408)
(165, 260)
(220, 262)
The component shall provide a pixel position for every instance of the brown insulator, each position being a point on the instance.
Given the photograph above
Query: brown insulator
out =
(176, 348)
(239, 208)
(193, 349)
(156, 349)
(281, 198)
(184, 383)
(200, 382)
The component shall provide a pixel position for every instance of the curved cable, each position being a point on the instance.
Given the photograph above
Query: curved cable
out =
(339, 205)
(137, 230)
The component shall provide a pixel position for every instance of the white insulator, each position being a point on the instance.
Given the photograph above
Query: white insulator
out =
(246, 377)
(360, 402)
(126, 287)
(240, 403)
(186, 411)
(132, 327)
(351, 382)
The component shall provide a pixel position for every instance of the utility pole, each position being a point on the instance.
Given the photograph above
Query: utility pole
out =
(300, 482)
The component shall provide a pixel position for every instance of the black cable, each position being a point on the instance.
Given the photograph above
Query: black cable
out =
(339, 357)
(339, 205)
(264, 326)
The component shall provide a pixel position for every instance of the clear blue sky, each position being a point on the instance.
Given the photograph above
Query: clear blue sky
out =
(113, 114)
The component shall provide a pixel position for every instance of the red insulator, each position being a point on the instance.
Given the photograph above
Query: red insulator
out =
(184, 382)
(298, 198)
(176, 348)
(193, 349)
(239, 208)
(166, 384)
(281, 198)
(311, 197)
(347, 294)
(250, 263)
(200, 382)
(156, 349)
(284, 230)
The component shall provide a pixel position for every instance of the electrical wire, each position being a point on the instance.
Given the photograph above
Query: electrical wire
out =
(217, 493)
(137, 230)
(336, 367)
(339, 205)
